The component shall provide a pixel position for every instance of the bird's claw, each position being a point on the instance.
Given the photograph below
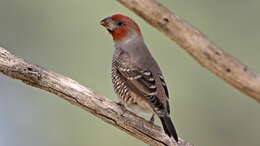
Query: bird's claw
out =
(122, 107)
(152, 119)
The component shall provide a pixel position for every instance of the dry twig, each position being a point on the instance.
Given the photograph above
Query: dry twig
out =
(197, 45)
(85, 98)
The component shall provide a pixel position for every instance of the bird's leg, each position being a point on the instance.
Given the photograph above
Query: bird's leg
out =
(152, 119)
(122, 107)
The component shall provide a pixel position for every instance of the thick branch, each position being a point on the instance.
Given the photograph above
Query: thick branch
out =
(85, 98)
(198, 46)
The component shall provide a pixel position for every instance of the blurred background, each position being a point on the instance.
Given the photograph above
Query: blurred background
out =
(65, 36)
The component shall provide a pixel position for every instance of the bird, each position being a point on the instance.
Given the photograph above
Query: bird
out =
(136, 76)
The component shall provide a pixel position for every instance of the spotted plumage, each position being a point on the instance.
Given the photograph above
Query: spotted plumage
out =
(136, 76)
(120, 86)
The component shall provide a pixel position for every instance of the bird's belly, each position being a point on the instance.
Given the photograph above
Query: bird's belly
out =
(140, 107)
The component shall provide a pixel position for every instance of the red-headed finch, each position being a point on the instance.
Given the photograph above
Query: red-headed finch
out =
(136, 76)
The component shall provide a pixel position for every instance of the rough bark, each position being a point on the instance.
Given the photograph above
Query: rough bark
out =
(198, 46)
(87, 99)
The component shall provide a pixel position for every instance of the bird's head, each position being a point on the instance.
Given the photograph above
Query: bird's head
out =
(120, 27)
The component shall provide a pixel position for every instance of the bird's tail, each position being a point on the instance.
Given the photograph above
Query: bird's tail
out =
(169, 127)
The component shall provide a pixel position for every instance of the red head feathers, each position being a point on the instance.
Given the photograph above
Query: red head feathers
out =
(120, 26)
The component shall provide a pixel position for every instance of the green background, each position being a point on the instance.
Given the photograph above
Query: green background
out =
(65, 36)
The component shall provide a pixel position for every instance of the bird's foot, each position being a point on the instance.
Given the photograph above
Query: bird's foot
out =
(152, 119)
(122, 107)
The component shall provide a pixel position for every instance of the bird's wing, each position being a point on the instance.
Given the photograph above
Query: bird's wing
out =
(143, 82)
(164, 85)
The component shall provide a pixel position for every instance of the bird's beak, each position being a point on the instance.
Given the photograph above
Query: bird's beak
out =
(107, 23)
(104, 22)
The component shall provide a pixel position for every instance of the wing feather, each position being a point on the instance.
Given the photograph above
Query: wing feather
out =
(144, 83)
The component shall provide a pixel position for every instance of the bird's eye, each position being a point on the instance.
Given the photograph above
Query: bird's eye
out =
(119, 23)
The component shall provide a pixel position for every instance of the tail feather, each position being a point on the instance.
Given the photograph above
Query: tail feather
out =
(169, 127)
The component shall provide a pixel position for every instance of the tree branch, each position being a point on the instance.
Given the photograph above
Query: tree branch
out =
(197, 45)
(85, 98)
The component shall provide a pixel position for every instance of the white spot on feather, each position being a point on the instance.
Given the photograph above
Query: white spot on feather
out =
(147, 73)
